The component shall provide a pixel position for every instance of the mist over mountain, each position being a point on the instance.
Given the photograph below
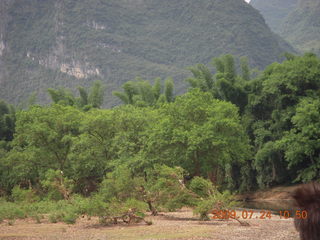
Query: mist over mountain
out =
(74, 42)
(297, 21)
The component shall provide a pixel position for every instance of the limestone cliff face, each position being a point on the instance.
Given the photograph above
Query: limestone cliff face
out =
(57, 57)
(73, 42)
(34, 64)
(4, 6)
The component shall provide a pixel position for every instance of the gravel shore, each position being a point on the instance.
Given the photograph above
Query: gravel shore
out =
(181, 225)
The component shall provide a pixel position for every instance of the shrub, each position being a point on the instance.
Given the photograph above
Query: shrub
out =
(53, 218)
(21, 195)
(57, 186)
(96, 207)
(70, 218)
(216, 201)
(139, 206)
(56, 217)
(11, 211)
(201, 187)
(37, 218)
(204, 207)
(80, 204)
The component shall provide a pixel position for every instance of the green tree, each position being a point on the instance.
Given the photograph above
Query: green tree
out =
(43, 140)
(129, 90)
(202, 78)
(7, 121)
(200, 134)
(273, 100)
(83, 100)
(228, 85)
(225, 84)
(245, 70)
(141, 93)
(301, 144)
(95, 96)
(86, 100)
(169, 90)
(109, 138)
(62, 96)
(162, 187)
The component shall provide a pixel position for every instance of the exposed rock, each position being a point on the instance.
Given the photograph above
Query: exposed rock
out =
(2, 47)
(70, 43)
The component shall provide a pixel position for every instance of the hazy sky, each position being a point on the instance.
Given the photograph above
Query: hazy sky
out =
(247, 0)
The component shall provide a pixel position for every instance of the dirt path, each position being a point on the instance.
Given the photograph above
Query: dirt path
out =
(174, 226)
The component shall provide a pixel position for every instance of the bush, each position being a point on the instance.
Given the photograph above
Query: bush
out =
(56, 217)
(201, 187)
(41, 207)
(96, 206)
(80, 204)
(216, 201)
(181, 199)
(37, 218)
(23, 195)
(204, 207)
(53, 218)
(139, 206)
(63, 210)
(11, 211)
(57, 186)
(70, 218)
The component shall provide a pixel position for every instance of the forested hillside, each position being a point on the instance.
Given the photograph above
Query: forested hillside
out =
(302, 27)
(69, 43)
(275, 12)
(296, 21)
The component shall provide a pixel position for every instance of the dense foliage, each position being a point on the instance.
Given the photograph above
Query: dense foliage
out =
(233, 130)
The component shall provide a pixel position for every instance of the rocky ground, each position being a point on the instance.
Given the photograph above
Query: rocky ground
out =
(181, 225)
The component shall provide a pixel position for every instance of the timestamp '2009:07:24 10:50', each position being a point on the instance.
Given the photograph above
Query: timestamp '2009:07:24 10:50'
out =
(263, 214)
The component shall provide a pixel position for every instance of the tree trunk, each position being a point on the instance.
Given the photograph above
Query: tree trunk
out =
(152, 208)
(197, 166)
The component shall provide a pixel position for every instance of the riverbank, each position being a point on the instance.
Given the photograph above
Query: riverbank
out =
(272, 194)
(180, 225)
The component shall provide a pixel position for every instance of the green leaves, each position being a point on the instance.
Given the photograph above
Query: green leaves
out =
(284, 108)
(85, 101)
(202, 78)
(301, 144)
(43, 140)
(198, 133)
(7, 121)
(95, 97)
(195, 131)
(225, 84)
(142, 94)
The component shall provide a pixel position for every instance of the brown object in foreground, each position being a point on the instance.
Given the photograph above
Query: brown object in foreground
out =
(307, 198)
